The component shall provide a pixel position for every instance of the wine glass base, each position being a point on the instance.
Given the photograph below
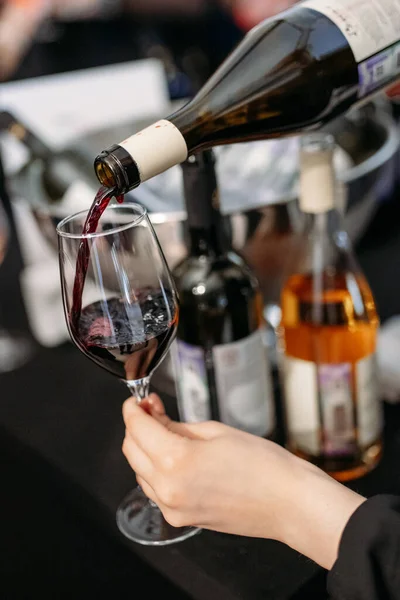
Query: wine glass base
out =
(141, 521)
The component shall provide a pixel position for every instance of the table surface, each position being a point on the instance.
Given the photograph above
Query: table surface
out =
(67, 411)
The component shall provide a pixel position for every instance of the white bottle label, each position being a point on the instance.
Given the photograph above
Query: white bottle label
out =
(243, 384)
(191, 383)
(301, 403)
(369, 407)
(156, 148)
(319, 403)
(369, 26)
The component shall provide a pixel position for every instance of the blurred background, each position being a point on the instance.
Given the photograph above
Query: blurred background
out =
(37, 36)
(75, 77)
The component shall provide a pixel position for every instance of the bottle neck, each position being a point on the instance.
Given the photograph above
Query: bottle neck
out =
(207, 228)
(317, 223)
(325, 244)
(209, 240)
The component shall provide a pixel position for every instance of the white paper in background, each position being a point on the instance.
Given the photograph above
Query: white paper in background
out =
(14, 153)
(61, 108)
(388, 349)
(40, 281)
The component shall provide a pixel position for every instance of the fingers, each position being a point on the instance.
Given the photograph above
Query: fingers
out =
(154, 442)
(141, 464)
(148, 490)
(137, 459)
(149, 434)
(154, 406)
(205, 430)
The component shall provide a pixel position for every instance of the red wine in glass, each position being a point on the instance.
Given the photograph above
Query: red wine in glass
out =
(123, 343)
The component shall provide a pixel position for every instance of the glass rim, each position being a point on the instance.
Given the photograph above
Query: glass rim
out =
(98, 234)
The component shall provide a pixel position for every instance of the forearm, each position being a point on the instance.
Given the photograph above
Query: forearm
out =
(322, 508)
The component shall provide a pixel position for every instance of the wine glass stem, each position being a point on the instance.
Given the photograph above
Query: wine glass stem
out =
(139, 388)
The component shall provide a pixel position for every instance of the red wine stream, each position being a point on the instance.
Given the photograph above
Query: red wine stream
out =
(98, 207)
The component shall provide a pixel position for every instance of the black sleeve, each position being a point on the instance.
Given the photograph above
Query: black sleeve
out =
(368, 563)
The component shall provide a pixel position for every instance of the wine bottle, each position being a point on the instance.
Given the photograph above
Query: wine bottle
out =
(291, 73)
(328, 334)
(222, 367)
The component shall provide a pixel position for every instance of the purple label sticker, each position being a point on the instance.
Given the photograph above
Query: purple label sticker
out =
(377, 70)
(337, 411)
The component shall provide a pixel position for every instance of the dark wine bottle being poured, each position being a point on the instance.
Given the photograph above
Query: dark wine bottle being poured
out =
(290, 74)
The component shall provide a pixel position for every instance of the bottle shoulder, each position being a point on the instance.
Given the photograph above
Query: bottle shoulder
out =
(214, 273)
(323, 247)
(345, 297)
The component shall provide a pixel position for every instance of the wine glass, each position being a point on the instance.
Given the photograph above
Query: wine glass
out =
(125, 323)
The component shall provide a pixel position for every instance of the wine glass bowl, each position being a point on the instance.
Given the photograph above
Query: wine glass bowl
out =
(121, 308)
(129, 305)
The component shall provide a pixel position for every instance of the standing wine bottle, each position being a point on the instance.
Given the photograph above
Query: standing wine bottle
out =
(291, 73)
(328, 332)
(222, 364)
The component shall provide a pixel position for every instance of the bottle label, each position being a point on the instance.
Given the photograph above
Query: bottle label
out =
(369, 408)
(243, 384)
(369, 26)
(335, 385)
(379, 69)
(156, 148)
(323, 417)
(191, 382)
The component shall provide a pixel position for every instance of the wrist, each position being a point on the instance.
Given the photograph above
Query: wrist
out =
(321, 508)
